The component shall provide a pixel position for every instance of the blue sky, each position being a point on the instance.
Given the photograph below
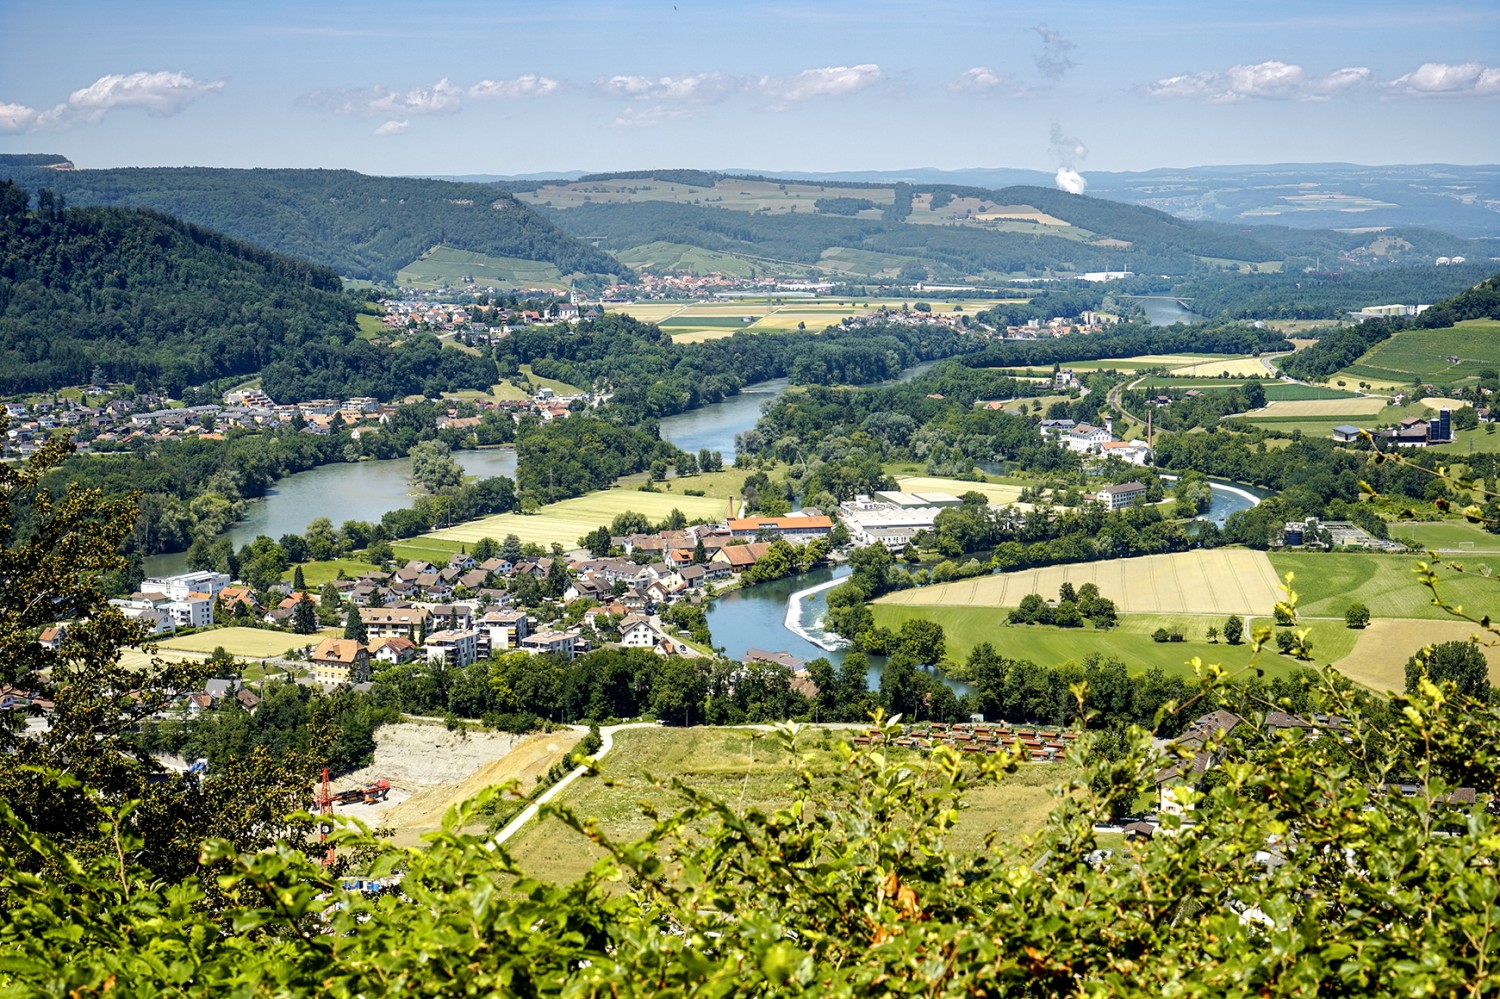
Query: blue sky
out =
(503, 87)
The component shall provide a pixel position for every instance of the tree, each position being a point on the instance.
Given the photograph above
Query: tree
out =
(299, 585)
(1460, 663)
(1212, 634)
(510, 548)
(304, 616)
(434, 468)
(1066, 592)
(1234, 629)
(354, 626)
(1357, 616)
(69, 780)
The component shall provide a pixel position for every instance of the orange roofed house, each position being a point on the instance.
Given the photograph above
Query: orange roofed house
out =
(341, 660)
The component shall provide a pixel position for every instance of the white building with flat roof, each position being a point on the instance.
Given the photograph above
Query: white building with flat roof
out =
(179, 586)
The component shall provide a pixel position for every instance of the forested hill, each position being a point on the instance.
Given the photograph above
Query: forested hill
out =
(362, 227)
(137, 296)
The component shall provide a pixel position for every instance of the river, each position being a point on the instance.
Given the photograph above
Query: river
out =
(715, 426)
(1166, 311)
(361, 490)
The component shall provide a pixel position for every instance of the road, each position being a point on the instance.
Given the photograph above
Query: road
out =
(515, 825)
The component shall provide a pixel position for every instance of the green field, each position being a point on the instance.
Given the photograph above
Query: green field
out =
(246, 643)
(444, 266)
(560, 388)
(1455, 537)
(371, 327)
(1424, 353)
(315, 574)
(966, 627)
(862, 263)
(661, 257)
(565, 522)
(1327, 584)
(751, 773)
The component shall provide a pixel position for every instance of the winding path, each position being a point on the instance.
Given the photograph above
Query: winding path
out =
(607, 737)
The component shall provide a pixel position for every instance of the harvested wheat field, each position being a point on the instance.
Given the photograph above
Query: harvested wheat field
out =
(1234, 367)
(1293, 408)
(1221, 581)
(431, 769)
(1379, 657)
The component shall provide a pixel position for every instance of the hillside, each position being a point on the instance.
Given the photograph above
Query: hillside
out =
(948, 232)
(1453, 328)
(123, 295)
(362, 227)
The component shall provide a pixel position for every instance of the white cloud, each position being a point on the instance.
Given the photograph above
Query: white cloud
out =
(158, 94)
(690, 88)
(825, 81)
(526, 85)
(1445, 78)
(656, 114)
(1270, 80)
(443, 97)
(17, 118)
(984, 80)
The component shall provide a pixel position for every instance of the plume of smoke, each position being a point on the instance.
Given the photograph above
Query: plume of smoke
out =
(1070, 180)
(1068, 151)
(1055, 59)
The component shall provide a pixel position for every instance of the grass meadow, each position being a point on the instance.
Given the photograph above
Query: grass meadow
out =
(246, 643)
(1131, 641)
(446, 266)
(1327, 583)
(563, 523)
(750, 771)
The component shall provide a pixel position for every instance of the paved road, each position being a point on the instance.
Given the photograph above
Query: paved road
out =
(607, 737)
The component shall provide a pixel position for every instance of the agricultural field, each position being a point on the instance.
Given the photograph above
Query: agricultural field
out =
(750, 770)
(1317, 418)
(662, 257)
(1327, 583)
(693, 322)
(444, 266)
(1172, 362)
(1131, 641)
(1234, 367)
(1378, 660)
(862, 263)
(1291, 409)
(1219, 581)
(1425, 354)
(565, 522)
(246, 643)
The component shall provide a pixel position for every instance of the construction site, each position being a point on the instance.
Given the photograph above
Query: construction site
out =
(421, 769)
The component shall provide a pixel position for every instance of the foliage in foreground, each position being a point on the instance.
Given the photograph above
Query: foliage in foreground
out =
(1295, 876)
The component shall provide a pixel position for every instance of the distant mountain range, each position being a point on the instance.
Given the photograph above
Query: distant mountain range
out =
(361, 226)
(977, 226)
(1461, 200)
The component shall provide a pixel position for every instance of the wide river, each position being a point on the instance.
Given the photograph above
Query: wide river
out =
(769, 616)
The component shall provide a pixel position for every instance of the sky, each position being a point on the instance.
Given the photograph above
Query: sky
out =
(455, 88)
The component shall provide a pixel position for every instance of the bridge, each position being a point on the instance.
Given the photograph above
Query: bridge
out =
(1164, 298)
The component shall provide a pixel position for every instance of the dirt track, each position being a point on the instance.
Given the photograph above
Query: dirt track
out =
(430, 769)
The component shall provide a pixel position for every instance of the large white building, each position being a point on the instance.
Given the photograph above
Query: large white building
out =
(178, 587)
